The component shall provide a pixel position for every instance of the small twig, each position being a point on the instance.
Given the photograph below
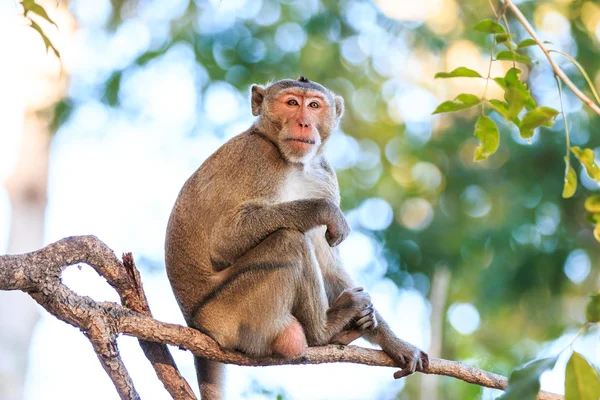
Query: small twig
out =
(159, 355)
(557, 70)
(582, 70)
(38, 273)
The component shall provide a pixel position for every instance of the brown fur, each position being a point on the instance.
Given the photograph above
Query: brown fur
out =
(250, 246)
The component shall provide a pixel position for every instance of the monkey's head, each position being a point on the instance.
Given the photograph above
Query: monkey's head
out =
(297, 115)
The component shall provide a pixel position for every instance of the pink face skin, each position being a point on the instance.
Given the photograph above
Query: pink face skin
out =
(301, 112)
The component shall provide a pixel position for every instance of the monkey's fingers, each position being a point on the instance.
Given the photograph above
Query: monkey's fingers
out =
(334, 239)
(366, 322)
(402, 373)
(423, 361)
(411, 367)
(368, 310)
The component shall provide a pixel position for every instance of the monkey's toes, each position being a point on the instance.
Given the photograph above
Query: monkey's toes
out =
(402, 373)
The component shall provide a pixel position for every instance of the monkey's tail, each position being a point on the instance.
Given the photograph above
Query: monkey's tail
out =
(210, 378)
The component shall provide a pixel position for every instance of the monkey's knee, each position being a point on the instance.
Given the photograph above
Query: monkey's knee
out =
(291, 342)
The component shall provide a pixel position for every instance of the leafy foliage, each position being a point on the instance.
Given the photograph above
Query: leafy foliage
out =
(520, 109)
(581, 379)
(30, 6)
(587, 159)
(592, 311)
(487, 132)
(570, 185)
(539, 116)
(489, 26)
(526, 43)
(512, 56)
(459, 72)
(524, 383)
(461, 102)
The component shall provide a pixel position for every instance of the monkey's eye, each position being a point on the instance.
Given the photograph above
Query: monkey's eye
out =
(314, 104)
(292, 102)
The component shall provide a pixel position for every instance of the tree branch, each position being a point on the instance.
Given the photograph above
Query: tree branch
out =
(557, 70)
(38, 273)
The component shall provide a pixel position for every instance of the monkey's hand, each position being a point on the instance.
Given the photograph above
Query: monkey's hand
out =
(337, 226)
(406, 354)
(363, 322)
(350, 306)
(366, 320)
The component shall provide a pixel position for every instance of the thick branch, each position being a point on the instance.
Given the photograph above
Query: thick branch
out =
(557, 70)
(202, 345)
(38, 273)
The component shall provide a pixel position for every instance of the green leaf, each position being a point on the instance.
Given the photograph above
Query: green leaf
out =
(487, 133)
(505, 39)
(47, 41)
(593, 218)
(536, 118)
(459, 72)
(516, 94)
(461, 102)
(489, 26)
(526, 43)
(501, 107)
(592, 203)
(587, 158)
(592, 311)
(524, 383)
(501, 82)
(581, 379)
(31, 5)
(570, 181)
(508, 55)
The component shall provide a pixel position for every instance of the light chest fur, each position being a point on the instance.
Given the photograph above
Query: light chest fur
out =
(308, 183)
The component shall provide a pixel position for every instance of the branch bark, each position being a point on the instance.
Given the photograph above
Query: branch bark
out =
(38, 274)
(557, 70)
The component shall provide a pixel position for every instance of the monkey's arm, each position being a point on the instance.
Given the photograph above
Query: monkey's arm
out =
(253, 221)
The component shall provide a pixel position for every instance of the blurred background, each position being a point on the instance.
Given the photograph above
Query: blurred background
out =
(479, 262)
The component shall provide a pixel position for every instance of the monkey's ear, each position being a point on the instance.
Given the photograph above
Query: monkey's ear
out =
(258, 95)
(339, 107)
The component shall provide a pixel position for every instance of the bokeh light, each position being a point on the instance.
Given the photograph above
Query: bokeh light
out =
(464, 317)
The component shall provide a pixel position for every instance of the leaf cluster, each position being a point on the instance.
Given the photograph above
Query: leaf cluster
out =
(31, 7)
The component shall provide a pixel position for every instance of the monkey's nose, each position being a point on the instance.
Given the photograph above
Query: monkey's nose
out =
(303, 125)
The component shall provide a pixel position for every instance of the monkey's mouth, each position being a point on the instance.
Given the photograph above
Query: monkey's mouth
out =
(307, 141)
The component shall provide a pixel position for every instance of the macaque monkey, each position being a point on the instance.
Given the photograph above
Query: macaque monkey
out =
(251, 242)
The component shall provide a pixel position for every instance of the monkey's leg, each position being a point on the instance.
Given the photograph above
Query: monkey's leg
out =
(373, 327)
(256, 304)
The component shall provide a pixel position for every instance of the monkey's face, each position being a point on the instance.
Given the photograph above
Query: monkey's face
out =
(303, 115)
(298, 116)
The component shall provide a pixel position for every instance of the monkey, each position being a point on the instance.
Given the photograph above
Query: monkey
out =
(251, 244)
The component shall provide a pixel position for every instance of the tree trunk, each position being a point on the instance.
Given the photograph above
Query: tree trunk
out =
(439, 294)
(27, 188)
